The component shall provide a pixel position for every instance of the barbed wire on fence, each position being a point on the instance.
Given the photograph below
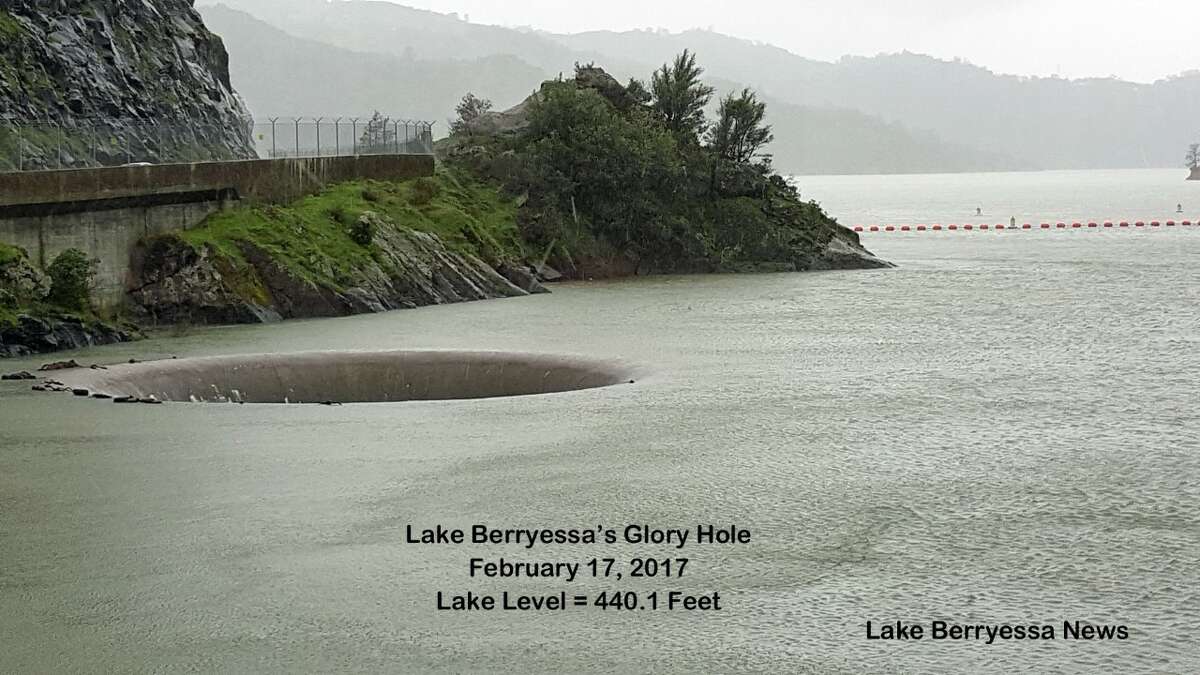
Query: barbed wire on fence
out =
(344, 135)
(81, 142)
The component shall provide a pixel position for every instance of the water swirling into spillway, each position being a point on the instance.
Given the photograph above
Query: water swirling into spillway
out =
(351, 377)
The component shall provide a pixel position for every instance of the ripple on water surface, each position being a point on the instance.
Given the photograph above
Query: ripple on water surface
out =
(992, 433)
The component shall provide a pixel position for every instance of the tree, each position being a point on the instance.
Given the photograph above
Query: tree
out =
(740, 133)
(1193, 156)
(469, 110)
(71, 276)
(621, 171)
(379, 137)
(679, 97)
(638, 91)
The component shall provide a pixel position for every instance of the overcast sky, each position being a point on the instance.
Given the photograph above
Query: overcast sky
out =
(1135, 39)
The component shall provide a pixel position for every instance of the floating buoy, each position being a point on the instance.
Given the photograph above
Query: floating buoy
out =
(1002, 227)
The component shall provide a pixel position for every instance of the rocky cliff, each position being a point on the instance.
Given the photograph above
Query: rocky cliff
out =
(129, 80)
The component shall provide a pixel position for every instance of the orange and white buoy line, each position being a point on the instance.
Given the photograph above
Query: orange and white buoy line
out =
(1074, 225)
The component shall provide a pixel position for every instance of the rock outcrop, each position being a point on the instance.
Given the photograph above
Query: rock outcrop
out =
(29, 326)
(180, 283)
(20, 282)
(129, 80)
(56, 332)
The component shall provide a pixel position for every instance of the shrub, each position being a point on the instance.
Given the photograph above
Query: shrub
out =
(362, 232)
(424, 191)
(9, 254)
(71, 276)
(341, 215)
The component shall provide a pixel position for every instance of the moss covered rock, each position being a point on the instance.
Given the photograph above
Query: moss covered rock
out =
(433, 241)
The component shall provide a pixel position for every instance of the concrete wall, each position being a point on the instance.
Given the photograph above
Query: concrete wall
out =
(267, 180)
(106, 235)
(104, 212)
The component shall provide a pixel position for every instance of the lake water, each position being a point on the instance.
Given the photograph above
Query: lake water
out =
(1001, 430)
(1030, 197)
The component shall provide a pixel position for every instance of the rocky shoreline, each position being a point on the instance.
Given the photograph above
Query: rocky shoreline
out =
(47, 334)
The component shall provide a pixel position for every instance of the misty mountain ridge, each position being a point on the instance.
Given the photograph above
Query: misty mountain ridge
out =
(282, 75)
(893, 112)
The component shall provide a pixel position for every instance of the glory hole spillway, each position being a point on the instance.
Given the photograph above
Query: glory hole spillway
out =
(349, 377)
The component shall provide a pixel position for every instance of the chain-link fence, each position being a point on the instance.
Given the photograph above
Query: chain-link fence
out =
(332, 136)
(79, 143)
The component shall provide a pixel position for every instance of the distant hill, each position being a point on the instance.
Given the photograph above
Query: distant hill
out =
(1048, 122)
(950, 115)
(419, 64)
(278, 74)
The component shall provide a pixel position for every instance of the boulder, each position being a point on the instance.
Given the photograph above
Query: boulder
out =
(18, 376)
(523, 277)
(59, 365)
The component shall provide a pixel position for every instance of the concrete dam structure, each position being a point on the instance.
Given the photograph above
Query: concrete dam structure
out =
(104, 212)
(348, 377)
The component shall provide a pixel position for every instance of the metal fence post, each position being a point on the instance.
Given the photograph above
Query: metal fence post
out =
(354, 132)
(274, 150)
(296, 120)
(318, 122)
(337, 136)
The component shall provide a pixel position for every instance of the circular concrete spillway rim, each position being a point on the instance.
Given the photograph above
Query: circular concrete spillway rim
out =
(350, 377)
